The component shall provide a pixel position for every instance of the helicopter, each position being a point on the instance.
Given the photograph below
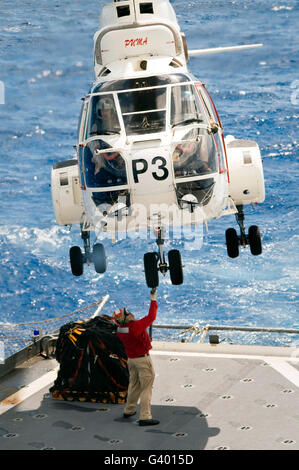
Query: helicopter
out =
(151, 151)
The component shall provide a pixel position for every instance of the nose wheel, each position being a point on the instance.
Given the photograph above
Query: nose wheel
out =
(175, 267)
(151, 269)
(155, 263)
(96, 256)
(253, 238)
(76, 260)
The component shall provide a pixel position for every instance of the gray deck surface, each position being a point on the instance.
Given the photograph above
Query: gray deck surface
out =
(206, 397)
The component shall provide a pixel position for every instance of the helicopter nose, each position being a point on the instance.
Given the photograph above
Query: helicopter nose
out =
(152, 182)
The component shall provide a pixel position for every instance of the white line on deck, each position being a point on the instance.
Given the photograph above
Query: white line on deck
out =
(27, 391)
(285, 369)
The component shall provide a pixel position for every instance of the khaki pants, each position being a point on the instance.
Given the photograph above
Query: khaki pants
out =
(142, 376)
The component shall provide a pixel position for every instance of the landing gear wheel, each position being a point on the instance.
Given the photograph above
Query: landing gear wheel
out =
(175, 267)
(76, 259)
(255, 241)
(151, 269)
(232, 243)
(99, 258)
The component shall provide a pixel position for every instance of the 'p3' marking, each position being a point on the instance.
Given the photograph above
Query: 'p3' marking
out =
(140, 166)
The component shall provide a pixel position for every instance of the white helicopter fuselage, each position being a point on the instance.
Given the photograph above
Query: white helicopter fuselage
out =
(151, 148)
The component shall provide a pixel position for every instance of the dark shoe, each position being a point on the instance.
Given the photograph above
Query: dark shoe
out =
(148, 422)
(127, 415)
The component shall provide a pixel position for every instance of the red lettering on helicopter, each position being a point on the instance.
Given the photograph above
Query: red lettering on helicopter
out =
(135, 42)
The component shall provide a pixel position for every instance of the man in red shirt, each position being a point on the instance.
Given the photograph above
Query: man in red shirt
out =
(137, 344)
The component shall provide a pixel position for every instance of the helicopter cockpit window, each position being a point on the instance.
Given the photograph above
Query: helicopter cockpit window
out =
(195, 155)
(103, 119)
(144, 82)
(103, 166)
(143, 110)
(185, 106)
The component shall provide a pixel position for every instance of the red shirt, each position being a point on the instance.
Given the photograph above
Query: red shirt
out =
(134, 336)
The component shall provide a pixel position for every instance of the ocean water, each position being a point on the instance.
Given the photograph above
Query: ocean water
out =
(46, 66)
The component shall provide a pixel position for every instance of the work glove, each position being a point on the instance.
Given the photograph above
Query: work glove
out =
(153, 294)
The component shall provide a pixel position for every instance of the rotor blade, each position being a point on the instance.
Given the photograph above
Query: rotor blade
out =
(216, 50)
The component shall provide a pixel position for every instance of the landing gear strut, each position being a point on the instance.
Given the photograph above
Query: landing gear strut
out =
(233, 241)
(155, 262)
(96, 255)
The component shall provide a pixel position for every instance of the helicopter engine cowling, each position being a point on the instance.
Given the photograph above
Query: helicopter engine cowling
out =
(246, 176)
(66, 193)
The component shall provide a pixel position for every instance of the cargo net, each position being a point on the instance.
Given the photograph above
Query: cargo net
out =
(16, 336)
(93, 363)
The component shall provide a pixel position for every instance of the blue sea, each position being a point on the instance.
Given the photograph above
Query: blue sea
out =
(46, 66)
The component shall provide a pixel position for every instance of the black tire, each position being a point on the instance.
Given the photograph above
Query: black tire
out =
(175, 267)
(232, 243)
(255, 241)
(99, 258)
(151, 269)
(76, 260)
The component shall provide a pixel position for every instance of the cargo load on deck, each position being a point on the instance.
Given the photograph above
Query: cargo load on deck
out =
(93, 363)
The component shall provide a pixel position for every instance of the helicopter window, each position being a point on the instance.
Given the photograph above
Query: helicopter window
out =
(111, 197)
(209, 105)
(141, 123)
(103, 165)
(185, 106)
(214, 118)
(195, 155)
(202, 190)
(146, 8)
(142, 100)
(123, 10)
(103, 119)
(144, 82)
(143, 110)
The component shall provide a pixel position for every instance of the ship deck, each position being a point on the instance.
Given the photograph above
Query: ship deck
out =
(206, 397)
